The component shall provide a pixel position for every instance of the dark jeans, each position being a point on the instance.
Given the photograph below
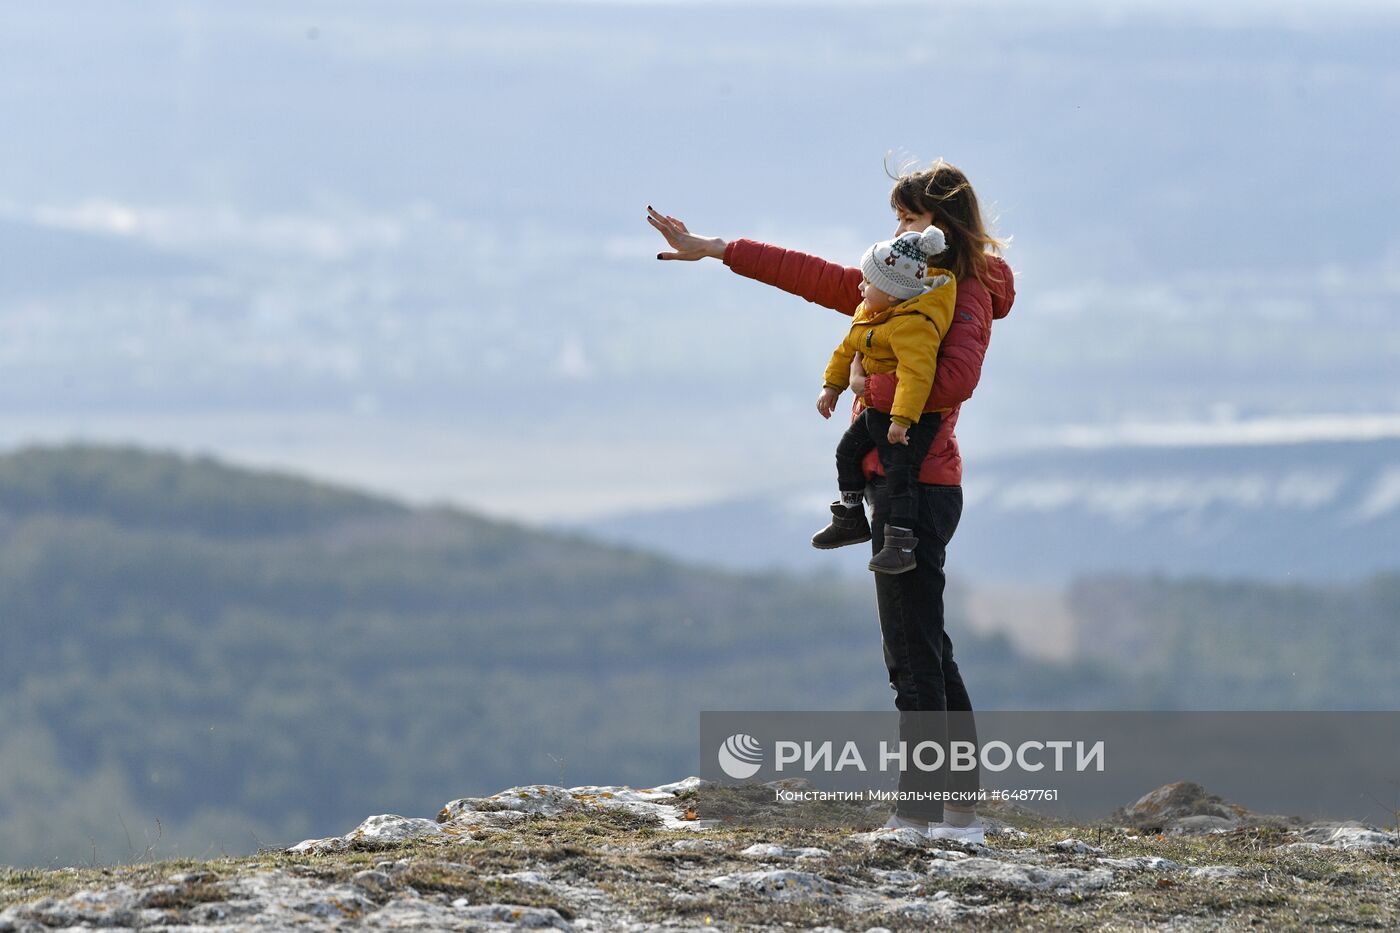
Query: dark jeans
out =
(871, 428)
(918, 652)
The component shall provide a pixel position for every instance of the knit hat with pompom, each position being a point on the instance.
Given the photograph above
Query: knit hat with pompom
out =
(899, 267)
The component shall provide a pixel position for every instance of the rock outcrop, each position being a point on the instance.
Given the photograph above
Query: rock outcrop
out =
(675, 857)
(1186, 807)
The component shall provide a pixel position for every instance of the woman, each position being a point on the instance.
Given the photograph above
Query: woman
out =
(918, 652)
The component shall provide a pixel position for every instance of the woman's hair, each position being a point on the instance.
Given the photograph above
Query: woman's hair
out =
(944, 191)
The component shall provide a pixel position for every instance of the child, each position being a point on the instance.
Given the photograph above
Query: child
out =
(907, 309)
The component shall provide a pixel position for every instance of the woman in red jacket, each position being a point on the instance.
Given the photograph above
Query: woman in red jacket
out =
(918, 652)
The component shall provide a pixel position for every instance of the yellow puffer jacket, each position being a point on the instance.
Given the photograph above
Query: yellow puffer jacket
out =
(903, 339)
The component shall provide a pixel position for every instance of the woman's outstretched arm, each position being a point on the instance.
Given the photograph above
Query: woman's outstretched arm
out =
(828, 284)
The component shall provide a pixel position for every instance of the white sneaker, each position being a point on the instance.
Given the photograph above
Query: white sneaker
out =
(898, 822)
(975, 833)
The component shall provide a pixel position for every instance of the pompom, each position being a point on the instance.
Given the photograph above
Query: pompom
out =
(932, 242)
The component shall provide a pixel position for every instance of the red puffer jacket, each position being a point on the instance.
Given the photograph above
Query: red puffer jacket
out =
(959, 358)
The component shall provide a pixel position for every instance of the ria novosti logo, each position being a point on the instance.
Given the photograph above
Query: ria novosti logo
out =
(741, 756)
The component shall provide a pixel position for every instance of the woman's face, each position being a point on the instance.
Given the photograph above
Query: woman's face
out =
(909, 220)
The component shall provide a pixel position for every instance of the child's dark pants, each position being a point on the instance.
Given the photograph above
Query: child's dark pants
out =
(901, 461)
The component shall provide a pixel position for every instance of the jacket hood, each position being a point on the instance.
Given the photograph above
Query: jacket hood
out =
(1001, 285)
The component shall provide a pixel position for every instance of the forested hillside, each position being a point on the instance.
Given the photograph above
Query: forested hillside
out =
(198, 658)
(251, 658)
(1200, 643)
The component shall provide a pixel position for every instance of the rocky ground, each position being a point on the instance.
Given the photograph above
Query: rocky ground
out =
(688, 856)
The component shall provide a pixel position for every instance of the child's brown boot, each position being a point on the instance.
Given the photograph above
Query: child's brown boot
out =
(848, 526)
(897, 556)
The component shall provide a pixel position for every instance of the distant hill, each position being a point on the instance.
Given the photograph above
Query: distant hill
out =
(251, 658)
(1318, 511)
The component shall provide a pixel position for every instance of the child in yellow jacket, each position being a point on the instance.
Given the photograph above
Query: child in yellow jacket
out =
(898, 327)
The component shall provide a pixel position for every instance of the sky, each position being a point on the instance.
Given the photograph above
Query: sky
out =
(402, 246)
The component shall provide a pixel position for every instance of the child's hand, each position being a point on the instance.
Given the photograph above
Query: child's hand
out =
(899, 434)
(826, 402)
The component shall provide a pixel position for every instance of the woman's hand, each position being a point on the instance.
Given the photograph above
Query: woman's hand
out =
(857, 376)
(826, 402)
(899, 434)
(687, 245)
